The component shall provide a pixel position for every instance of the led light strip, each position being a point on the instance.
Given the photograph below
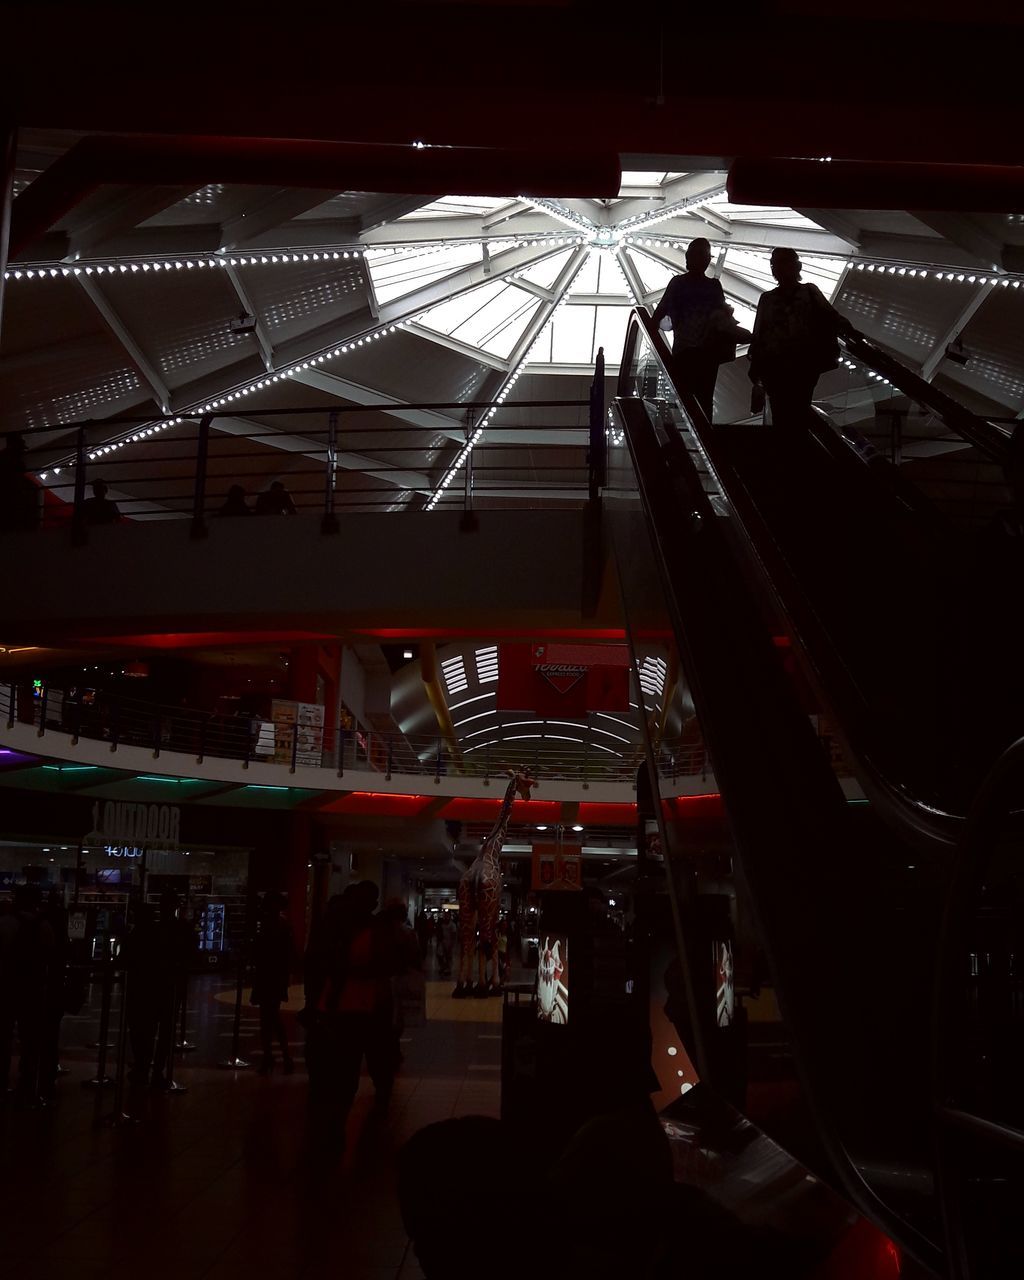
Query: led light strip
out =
(670, 211)
(415, 248)
(507, 386)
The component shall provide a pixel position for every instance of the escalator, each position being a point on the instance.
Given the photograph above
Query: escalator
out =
(759, 545)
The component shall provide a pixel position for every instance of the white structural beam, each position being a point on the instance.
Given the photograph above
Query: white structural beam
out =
(261, 433)
(682, 193)
(249, 307)
(269, 213)
(835, 224)
(390, 209)
(938, 351)
(546, 310)
(628, 268)
(356, 393)
(121, 210)
(453, 229)
(461, 281)
(749, 235)
(461, 348)
(121, 332)
(961, 230)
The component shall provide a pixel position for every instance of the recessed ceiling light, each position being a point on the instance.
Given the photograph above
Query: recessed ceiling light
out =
(406, 653)
(542, 828)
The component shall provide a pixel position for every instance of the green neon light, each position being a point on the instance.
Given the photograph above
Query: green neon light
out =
(71, 768)
(151, 777)
(257, 787)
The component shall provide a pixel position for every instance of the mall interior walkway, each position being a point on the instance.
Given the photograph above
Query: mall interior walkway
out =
(218, 1182)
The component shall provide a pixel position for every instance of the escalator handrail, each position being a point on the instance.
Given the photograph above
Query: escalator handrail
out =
(822, 803)
(984, 435)
(927, 820)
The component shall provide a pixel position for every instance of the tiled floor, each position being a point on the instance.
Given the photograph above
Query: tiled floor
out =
(217, 1182)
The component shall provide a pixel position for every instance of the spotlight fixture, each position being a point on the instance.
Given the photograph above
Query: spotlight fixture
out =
(407, 654)
(577, 826)
(542, 828)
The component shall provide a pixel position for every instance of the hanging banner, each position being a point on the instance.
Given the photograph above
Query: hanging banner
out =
(557, 866)
(304, 720)
(563, 680)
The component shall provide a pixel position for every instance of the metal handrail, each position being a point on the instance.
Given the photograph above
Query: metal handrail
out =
(980, 432)
(827, 670)
(1000, 796)
(126, 722)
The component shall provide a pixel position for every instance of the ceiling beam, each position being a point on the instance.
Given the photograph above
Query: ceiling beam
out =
(938, 352)
(120, 330)
(961, 230)
(249, 308)
(267, 214)
(356, 393)
(836, 224)
(390, 209)
(261, 433)
(681, 193)
(546, 310)
(736, 287)
(122, 209)
(461, 348)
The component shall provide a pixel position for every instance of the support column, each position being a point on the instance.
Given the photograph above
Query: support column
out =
(8, 140)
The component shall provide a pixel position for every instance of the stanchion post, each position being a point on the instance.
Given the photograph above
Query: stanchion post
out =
(100, 1081)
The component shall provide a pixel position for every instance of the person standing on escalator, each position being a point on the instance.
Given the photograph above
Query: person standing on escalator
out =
(795, 341)
(695, 307)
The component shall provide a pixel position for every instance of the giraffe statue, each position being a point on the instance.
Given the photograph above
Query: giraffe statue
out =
(480, 897)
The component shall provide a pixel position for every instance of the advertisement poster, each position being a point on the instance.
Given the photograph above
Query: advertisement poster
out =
(557, 866)
(304, 719)
(553, 980)
(725, 993)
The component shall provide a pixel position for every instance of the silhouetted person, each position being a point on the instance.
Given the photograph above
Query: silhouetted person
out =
(235, 503)
(275, 501)
(26, 958)
(795, 341)
(99, 509)
(19, 496)
(348, 1010)
(272, 962)
(156, 955)
(697, 311)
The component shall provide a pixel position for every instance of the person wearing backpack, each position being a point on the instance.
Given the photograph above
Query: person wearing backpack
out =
(796, 340)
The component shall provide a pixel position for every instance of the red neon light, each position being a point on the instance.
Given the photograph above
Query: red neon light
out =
(203, 639)
(501, 633)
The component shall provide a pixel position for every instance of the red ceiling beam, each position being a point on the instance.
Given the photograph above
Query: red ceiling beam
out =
(285, 162)
(853, 184)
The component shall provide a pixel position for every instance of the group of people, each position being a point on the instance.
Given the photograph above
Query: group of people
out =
(794, 339)
(275, 501)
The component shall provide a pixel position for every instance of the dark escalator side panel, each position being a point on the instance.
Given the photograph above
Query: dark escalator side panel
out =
(789, 823)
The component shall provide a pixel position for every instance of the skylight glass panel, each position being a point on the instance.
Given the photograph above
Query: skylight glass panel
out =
(586, 278)
(448, 316)
(454, 672)
(457, 206)
(546, 273)
(764, 215)
(395, 275)
(653, 274)
(572, 339)
(492, 317)
(610, 332)
(507, 334)
(487, 664)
